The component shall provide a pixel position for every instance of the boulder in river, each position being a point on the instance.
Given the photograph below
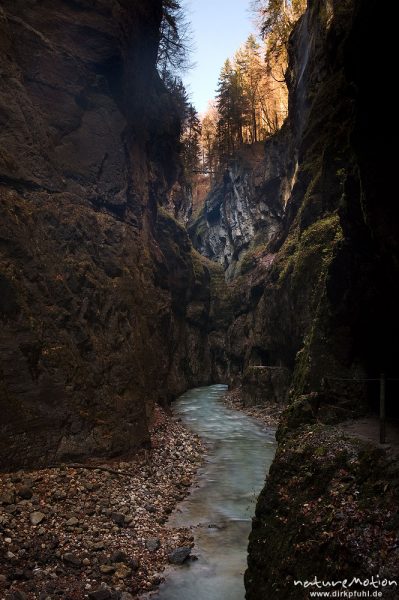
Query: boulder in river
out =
(179, 555)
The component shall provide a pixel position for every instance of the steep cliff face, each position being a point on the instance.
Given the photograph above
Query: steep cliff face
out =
(95, 294)
(327, 311)
(245, 207)
(296, 229)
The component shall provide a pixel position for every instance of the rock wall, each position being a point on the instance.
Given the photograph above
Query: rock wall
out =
(103, 308)
(298, 224)
(246, 205)
(327, 311)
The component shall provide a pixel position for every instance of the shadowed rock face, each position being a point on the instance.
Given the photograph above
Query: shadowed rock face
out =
(94, 292)
(327, 307)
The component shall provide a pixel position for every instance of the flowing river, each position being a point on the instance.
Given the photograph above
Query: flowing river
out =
(221, 508)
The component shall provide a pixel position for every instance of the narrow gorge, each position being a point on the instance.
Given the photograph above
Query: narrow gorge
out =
(116, 297)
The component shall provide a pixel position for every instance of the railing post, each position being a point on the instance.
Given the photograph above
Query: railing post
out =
(382, 410)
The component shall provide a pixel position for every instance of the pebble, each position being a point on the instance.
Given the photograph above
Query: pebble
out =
(153, 544)
(25, 492)
(7, 497)
(37, 517)
(71, 559)
(98, 546)
(92, 525)
(118, 557)
(107, 569)
(118, 518)
(122, 571)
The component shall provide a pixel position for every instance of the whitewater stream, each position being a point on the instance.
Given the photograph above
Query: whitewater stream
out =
(240, 452)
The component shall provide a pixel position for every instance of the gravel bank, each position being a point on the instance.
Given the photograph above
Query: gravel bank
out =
(268, 414)
(97, 530)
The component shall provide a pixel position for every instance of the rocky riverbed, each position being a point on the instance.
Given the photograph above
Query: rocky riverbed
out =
(268, 414)
(97, 530)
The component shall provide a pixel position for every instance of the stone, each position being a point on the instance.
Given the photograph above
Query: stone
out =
(153, 544)
(118, 557)
(25, 492)
(107, 569)
(37, 517)
(72, 559)
(122, 571)
(126, 596)
(59, 495)
(18, 595)
(7, 497)
(98, 546)
(72, 522)
(179, 555)
(118, 518)
(134, 563)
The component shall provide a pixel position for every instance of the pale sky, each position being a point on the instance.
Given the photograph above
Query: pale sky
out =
(219, 28)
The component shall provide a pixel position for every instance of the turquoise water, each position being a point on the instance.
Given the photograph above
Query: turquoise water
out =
(240, 453)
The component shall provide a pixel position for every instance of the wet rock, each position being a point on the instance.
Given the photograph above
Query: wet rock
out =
(153, 544)
(37, 517)
(179, 555)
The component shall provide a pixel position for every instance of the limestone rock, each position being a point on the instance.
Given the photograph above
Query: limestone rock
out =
(37, 517)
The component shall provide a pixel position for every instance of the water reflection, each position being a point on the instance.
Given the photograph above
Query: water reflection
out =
(222, 506)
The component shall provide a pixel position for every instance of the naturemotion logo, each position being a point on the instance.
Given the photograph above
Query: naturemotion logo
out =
(348, 588)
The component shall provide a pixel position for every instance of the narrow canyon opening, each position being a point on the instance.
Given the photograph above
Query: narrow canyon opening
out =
(155, 250)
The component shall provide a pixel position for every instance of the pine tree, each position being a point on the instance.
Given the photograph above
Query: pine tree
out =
(191, 141)
(251, 70)
(230, 103)
(174, 43)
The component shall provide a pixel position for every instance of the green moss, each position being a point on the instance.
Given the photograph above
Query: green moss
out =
(166, 217)
(310, 252)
